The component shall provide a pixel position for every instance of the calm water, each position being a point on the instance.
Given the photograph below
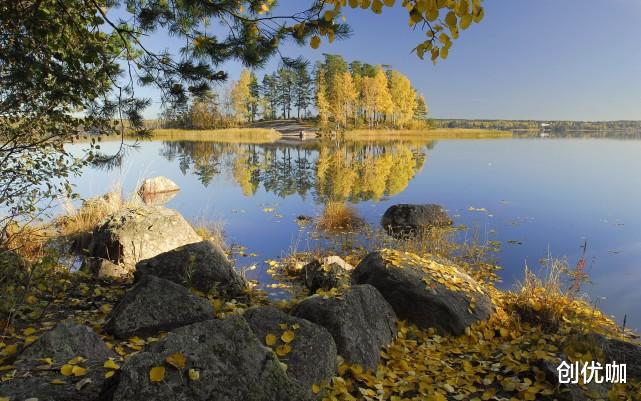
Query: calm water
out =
(533, 195)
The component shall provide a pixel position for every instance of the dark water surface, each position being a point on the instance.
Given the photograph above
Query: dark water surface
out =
(535, 195)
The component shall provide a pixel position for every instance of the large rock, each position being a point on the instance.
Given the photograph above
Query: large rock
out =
(425, 292)
(231, 363)
(406, 220)
(326, 273)
(103, 268)
(156, 185)
(66, 341)
(313, 352)
(202, 265)
(134, 234)
(619, 351)
(360, 320)
(153, 305)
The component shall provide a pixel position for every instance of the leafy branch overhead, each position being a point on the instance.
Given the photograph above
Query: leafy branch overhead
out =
(442, 20)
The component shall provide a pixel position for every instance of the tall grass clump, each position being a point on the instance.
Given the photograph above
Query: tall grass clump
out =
(85, 218)
(212, 231)
(339, 216)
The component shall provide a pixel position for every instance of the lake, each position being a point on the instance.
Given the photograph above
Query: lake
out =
(537, 196)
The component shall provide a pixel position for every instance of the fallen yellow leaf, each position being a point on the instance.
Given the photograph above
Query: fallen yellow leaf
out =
(57, 381)
(157, 374)
(283, 350)
(194, 375)
(109, 374)
(288, 336)
(29, 331)
(110, 364)
(66, 370)
(177, 360)
(78, 371)
(270, 339)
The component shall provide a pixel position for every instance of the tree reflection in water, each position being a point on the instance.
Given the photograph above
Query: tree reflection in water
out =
(328, 170)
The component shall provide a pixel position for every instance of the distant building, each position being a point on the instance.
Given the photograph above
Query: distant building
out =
(545, 129)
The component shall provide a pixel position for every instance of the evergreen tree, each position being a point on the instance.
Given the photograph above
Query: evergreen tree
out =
(303, 89)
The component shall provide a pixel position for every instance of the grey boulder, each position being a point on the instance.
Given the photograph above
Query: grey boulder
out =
(231, 363)
(312, 359)
(103, 268)
(406, 220)
(134, 234)
(157, 185)
(153, 305)
(360, 321)
(201, 265)
(64, 342)
(425, 292)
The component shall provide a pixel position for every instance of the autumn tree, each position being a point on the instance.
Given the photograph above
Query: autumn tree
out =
(403, 99)
(242, 98)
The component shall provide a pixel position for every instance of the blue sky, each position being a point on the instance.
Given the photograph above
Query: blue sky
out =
(528, 59)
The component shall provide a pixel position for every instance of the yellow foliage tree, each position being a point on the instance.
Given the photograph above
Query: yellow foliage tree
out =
(321, 98)
(403, 99)
(342, 98)
(241, 97)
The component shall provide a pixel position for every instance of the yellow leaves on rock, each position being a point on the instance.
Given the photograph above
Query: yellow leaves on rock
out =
(157, 374)
(9, 350)
(57, 381)
(314, 43)
(78, 371)
(110, 364)
(270, 339)
(66, 370)
(177, 360)
(29, 331)
(194, 375)
(283, 350)
(109, 374)
(288, 336)
(76, 360)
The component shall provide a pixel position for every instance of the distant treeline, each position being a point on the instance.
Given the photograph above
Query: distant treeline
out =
(536, 125)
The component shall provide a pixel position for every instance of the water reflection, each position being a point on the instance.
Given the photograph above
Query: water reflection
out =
(328, 170)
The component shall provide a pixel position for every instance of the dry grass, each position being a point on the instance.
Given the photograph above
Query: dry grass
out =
(540, 298)
(212, 231)
(339, 216)
(90, 214)
(235, 135)
(436, 133)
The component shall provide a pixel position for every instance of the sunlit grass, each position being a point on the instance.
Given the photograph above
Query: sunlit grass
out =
(436, 133)
(339, 216)
(235, 135)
